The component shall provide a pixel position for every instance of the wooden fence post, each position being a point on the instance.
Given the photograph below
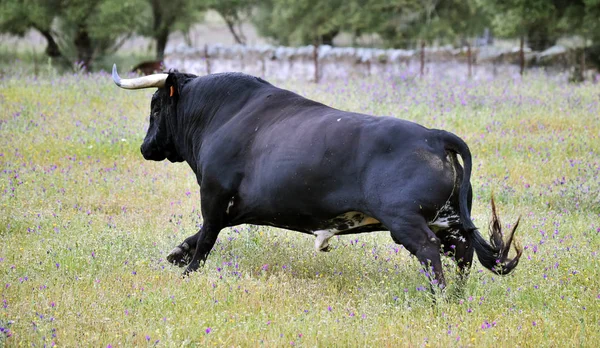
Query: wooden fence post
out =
(469, 59)
(522, 55)
(316, 61)
(207, 59)
(583, 59)
(422, 58)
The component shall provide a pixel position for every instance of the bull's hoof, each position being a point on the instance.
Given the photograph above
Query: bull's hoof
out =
(186, 273)
(191, 268)
(180, 255)
(325, 249)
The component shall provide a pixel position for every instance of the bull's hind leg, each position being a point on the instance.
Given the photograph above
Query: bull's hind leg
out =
(457, 244)
(414, 234)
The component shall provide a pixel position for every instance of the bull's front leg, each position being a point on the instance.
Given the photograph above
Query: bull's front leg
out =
(205, 241)
(195, 249)
(182, 254)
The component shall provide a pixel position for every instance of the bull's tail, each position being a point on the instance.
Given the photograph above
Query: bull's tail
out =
(492, 255)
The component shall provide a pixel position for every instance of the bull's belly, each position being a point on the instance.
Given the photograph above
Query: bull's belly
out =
(347, 223)
(350, 222)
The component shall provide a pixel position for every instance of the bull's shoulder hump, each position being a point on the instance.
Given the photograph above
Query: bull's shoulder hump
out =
(228, 84)
(229, 80)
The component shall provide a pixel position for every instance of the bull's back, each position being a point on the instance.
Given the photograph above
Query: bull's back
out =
(313, 153)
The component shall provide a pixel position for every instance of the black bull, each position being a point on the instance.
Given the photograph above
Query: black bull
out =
(266, 156)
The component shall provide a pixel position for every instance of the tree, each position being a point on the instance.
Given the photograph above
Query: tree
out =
(399, 23)
(591, 29)
(168, 16)
(17, 19)
(442, 21)
(388, 18)
(580, 17)
(94, 28)
(542, 22)
(300, 22)
(233, 12)
(534, 20)
(75, 30)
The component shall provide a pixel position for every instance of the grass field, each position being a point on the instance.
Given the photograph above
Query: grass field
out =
(86, 224)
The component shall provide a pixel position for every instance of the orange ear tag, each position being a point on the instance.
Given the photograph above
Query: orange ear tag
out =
(172, 90)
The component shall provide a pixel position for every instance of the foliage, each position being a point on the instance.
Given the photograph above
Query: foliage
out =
(95, 28)
(84, 31)
(292, 22)
(16, 18)
(404, 23)
(399, 23)
(77, 30)
(389, 19)
(39, 14)
(581, 18)
(86, 224)
(167, 16)
(234, 13)
(441, 21)
(542, 22)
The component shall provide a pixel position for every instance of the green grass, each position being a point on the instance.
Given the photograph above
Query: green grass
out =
(23, 59)
(86, 224)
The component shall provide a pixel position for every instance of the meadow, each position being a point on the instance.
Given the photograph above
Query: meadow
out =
(86, 224)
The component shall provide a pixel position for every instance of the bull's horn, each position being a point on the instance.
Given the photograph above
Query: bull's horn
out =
(154, 80)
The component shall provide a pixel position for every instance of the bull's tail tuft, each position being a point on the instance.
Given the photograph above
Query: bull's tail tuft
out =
(494, 255)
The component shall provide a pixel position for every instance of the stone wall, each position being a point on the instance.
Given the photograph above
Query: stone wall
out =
(279, 63)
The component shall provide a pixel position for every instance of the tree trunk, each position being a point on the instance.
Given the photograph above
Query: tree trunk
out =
(161, 38)
(540, 38)
(85, 50)
(231, 26)
(327, 38)
(52, 49)
(161, 27)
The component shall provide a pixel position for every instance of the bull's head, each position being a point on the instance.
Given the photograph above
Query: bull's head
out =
(159, 141)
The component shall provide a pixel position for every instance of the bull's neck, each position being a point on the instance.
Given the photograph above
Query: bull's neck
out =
(193, 129)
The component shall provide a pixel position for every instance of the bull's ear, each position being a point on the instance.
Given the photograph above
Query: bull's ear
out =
(172, 86)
